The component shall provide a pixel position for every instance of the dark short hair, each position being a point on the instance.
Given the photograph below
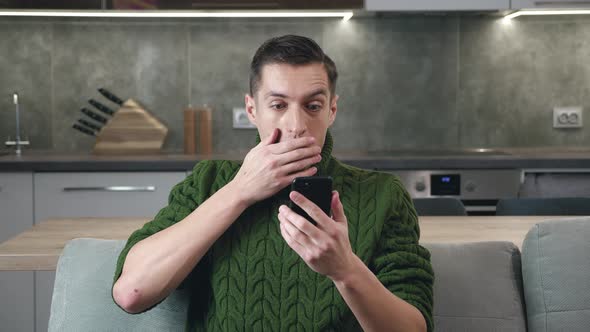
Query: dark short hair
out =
(292, 50)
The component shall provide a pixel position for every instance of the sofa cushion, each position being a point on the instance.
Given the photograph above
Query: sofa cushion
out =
(82, 298)
(556, 275)
(477, 287)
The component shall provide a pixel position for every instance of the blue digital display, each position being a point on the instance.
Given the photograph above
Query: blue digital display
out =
(445, 185)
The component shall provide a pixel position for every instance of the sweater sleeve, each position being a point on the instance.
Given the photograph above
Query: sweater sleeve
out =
(183, 199)
(401, 264)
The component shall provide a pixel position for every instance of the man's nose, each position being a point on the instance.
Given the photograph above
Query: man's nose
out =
(296, 123)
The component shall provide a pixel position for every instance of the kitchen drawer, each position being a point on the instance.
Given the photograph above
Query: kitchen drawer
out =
(552, 4)
(16, 287)
(94, 194)
(435, 5)
(108, 194)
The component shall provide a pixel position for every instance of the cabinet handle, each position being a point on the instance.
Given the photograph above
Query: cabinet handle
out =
(561, 3)
(112, 188)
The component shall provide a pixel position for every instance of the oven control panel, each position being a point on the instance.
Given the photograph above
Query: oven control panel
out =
(479, 189)
(463, 184)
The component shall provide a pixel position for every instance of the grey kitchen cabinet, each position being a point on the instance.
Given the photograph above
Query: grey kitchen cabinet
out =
(94, 194)
(183, 4)
(16, 287)
(552, 4)
(435, 5)
(16, 203)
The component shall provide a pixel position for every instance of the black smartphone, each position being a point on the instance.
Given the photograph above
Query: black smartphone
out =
(317, 189)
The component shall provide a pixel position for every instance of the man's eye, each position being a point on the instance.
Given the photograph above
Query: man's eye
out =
(277, 106)
(314, 107)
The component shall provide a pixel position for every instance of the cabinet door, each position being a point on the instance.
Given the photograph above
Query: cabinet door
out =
(53, 4)
(105, 194)
(16, 287)
(552, 4)
(426, 5)
(247, 4)
(112, 194)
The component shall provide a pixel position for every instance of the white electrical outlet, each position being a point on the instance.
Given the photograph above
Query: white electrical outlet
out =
(240, 119)
(567, 117)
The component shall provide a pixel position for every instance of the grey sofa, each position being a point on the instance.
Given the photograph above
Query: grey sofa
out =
(479, 286)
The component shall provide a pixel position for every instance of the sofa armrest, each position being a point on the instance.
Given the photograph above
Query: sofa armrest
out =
(82, 294)
(556, 275)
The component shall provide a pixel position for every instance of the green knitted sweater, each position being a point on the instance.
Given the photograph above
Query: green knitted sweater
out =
(251, 280)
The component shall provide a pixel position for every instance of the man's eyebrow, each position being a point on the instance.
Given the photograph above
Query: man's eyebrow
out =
(275, 94)
(320, 91)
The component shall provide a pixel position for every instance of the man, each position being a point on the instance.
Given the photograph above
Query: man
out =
(249, 261)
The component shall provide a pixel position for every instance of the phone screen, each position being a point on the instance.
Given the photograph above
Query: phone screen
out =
(317, 189)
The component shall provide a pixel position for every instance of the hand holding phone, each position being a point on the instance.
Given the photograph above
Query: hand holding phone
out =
(317, 189)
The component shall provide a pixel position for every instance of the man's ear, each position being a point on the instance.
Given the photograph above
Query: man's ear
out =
(250, 108)
(333, 109)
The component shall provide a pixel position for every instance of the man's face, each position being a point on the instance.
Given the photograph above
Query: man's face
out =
(295, 99)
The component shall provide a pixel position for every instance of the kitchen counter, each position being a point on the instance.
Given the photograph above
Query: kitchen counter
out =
(60, 162)
(534, 158)
(39, 248)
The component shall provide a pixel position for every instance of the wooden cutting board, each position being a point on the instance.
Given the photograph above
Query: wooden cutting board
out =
(131, 130)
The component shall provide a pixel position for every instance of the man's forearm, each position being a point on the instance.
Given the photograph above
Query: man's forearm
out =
(155, 266)
(374, 306)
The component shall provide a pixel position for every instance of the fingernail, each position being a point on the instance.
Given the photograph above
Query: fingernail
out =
(281, 208)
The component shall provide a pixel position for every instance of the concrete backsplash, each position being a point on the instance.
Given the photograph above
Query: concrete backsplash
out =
(405, 82)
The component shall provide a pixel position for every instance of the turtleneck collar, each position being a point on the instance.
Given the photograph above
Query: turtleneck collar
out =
(326, 152)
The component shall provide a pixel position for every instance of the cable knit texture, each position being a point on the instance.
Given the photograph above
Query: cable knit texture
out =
(251, 280)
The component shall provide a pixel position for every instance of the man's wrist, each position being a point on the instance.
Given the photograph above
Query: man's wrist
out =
(238, 196)
(351, 274)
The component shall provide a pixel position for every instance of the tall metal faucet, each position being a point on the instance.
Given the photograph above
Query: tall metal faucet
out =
(17, 142)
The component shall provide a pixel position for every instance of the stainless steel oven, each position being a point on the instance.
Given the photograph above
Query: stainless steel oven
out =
(479, 190)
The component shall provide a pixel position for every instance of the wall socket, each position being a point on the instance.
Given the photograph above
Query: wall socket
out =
(567, 117)
(240, 119)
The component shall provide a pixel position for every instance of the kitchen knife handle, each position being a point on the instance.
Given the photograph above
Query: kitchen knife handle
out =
(101, 107)
(89, 124)
(83, 130)
(94, 116)
(112, 189)
(110, 96)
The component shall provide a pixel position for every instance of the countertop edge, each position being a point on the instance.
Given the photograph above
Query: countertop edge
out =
(168, 164)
